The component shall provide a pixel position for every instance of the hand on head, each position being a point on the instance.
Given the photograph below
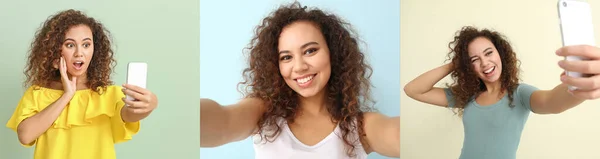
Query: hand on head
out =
(145, 101)
(588, 86)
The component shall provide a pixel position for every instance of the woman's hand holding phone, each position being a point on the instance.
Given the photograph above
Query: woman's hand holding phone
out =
(145, 101)
(589, 85)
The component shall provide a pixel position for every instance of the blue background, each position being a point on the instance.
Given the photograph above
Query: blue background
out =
(226, 27)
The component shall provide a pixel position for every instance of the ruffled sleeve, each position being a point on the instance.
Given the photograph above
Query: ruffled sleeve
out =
(86, 108)
(122, 131)
(26, 108)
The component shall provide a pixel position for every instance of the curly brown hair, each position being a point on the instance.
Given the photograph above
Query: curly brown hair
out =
(466, 83)
(46, 48)
(348, 86)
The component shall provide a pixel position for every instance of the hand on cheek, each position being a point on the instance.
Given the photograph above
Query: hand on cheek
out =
(69, 85)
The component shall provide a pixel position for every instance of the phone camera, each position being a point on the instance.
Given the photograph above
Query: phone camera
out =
(564, 4)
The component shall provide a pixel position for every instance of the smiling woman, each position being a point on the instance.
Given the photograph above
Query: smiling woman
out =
(70, 101)
(486, 92)
(304, 58)
(307, 93)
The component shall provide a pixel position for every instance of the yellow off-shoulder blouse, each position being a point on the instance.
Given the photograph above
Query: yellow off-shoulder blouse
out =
(87, 128)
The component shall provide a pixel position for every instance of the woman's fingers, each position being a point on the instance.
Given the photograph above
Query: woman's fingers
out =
(136, 89)
(136, 107)
(586, 94)
(585, 67)
(135, 104)
(586, 51)
(63, 68)
(582, 83)
(135, 95)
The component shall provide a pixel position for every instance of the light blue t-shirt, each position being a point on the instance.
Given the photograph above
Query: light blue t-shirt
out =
(494, 131)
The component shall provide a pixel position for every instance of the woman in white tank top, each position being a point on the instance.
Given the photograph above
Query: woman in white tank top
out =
(307, 94)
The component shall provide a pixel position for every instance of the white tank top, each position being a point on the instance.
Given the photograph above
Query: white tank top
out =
(287, 146)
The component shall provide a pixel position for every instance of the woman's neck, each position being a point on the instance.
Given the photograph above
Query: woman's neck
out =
(493, 88)
(314, 106)
(81, 83)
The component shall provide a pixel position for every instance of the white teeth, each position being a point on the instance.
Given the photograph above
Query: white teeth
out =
(78, 62)
(489, 70)
(305, 79)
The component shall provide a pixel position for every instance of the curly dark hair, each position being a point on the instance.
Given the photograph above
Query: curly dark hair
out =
(348, 86)
(466, 83)
(46, 48)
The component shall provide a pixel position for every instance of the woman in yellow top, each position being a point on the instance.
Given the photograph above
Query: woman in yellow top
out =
(71, 110)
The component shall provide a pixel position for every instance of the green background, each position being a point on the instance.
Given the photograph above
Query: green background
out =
(164, 34)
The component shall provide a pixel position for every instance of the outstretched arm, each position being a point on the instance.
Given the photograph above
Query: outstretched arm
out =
(220, 125)
(553, 101)
(383, 134)
(560, 98)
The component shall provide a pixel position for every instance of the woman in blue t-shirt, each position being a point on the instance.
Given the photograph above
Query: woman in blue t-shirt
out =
(487, 94)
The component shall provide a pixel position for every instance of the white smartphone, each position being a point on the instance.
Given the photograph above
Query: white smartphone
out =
(576, 28)
(136, 75)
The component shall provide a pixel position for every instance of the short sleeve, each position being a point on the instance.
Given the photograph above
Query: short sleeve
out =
(122, 131)
(26, 108)
(524, 92)
(449, 97)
